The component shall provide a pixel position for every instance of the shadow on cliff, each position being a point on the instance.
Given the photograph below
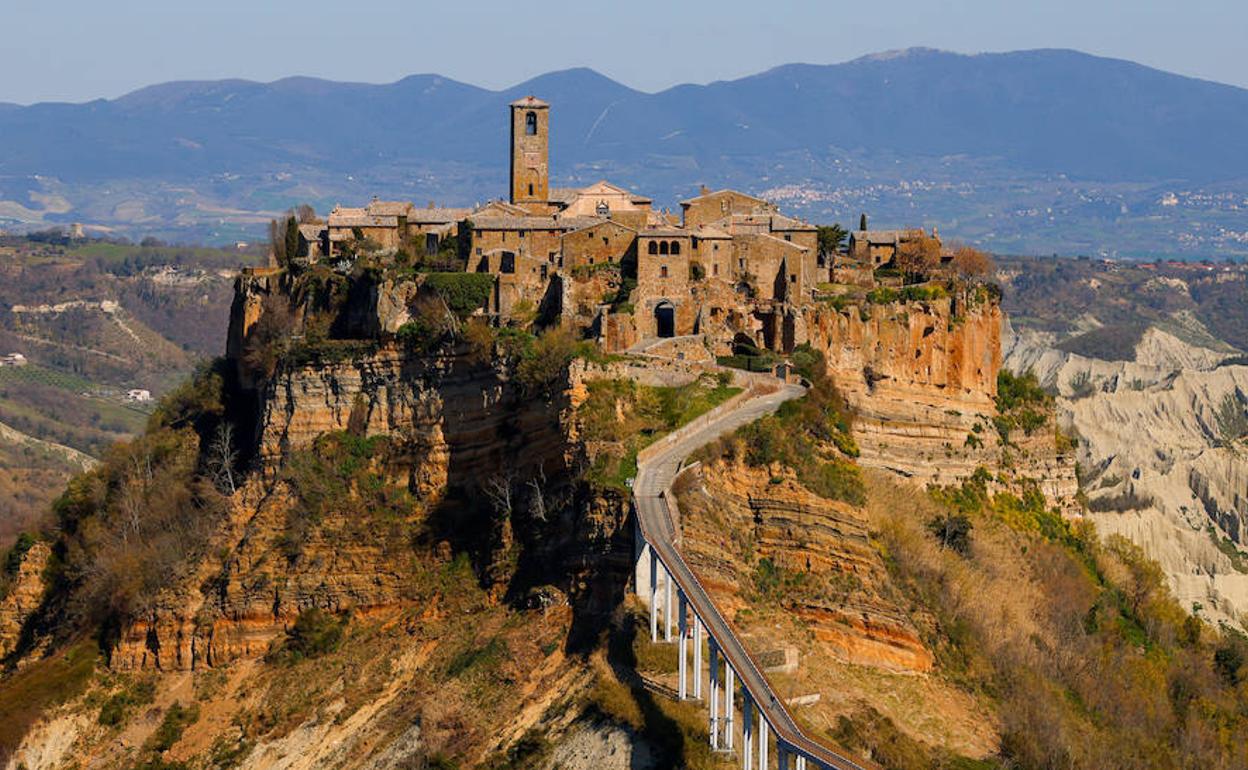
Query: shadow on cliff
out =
(659, 729)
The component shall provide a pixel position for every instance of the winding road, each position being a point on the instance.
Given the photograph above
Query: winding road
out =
(650, 488)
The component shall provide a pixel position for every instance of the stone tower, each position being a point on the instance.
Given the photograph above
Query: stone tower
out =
(530, 151)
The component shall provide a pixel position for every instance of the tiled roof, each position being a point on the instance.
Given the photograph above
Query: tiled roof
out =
(885, 237)
(664, 232)
(596, 223)
(533, 223)
(529, 101)
(436, 216)
(389, 208)
(691, 201)
(311, 232)
(361, 220)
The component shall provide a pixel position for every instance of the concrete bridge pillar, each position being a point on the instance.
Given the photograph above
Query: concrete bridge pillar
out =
(747, 731)
(729, 683)
(762, 741)
(667, 606)
(697, 658)
(782, 756)
(801, 762)
(654, 596)
(714, 650)
(683, 646)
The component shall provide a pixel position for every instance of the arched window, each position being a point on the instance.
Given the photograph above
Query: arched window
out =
(662, 247)
(530, 123)
(654, 247)
(675, 247)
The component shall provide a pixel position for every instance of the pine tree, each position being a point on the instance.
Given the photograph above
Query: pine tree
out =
(292, 237)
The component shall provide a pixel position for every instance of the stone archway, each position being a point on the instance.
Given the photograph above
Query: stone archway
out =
(665, 319)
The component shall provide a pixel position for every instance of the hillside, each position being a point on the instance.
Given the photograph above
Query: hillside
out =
(93, 320)
(1031, 151)
(1150, 382)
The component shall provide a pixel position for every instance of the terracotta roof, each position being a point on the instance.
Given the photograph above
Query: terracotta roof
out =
(388, 208)
(529, 101)
(715, 193)
(664, 232)
(562, 194)
(436, 216)
(533, 223)
(885, 237)
(596, 223)
(361, 220)
(311, 232)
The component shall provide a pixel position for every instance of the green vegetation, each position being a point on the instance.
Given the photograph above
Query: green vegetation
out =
(1095, 663)
(121, 704)
(340, 473)
(832, 239)
(25, 695)
(1239, 559)
(812, 436)
(464, 293)
(1021, 404)
(171, 727)
(1232, 418)
(629, 417)
(142, 516)
(749, 357)
(1112, 342)
(314, 633)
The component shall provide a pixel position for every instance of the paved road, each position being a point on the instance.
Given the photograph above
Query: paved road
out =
(653, 477)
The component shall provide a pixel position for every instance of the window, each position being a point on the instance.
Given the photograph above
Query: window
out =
(591, 260)
(653, 248)
(793, 278)
(663, 271)
(530, 188)
(521, 233)
(675, 247)
(788, 238)
(715, 247)
(715, 269)
(663, 247)
(530, 125)
(606, 241)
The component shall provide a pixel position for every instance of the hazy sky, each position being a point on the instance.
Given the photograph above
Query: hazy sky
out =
(76, 50)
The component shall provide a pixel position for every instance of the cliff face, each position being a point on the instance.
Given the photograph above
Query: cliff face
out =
(920, 375)
(733, 514)
(25, 592)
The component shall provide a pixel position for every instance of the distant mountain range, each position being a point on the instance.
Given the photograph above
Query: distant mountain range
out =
(1039, 151)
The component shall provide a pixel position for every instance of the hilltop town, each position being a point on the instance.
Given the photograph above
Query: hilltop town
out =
(731, 266)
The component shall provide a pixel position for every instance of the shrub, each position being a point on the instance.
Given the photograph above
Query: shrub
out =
(1081, 384)
(882, 295)
(1018, 390)
(314, 633)
(175, 722)
(952, 531)
(544, 362)
(464, 293)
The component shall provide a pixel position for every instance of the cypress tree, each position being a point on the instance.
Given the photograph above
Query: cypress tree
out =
(862, 222)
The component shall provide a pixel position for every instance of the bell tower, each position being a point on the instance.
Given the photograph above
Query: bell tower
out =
(530, 151)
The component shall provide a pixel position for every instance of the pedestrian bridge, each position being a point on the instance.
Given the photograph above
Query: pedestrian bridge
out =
(690, 619)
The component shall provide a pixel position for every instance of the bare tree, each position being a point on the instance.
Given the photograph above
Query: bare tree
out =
(500, 489)
(221, 459)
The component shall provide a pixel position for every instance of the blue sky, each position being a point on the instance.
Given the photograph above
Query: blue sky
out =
(76, 50)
